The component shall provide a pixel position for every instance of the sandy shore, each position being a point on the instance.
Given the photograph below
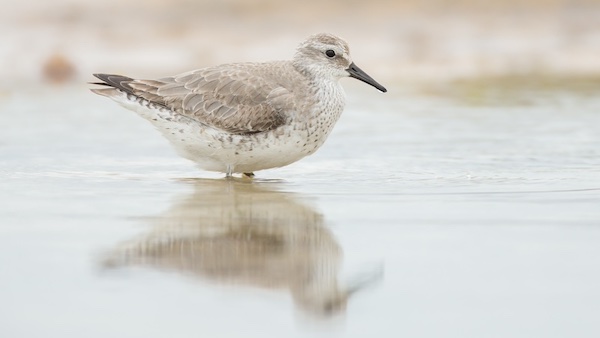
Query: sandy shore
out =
(394, 40)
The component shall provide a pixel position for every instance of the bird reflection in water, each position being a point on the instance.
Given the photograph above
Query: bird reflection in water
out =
(246, 233)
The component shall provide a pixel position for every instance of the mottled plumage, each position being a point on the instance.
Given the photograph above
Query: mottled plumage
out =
(245, 117)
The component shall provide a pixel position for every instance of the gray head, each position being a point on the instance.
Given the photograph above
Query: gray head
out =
(328, 55)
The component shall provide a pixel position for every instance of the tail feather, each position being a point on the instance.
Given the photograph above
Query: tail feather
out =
(108, 92)
(116, 81)
(144, 90)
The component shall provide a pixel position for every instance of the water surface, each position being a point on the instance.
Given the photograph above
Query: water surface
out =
(422, 216)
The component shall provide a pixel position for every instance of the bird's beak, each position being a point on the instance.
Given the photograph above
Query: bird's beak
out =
(363, 280)
(358, 73)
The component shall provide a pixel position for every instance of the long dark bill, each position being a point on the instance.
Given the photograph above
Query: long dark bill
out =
(358, 73)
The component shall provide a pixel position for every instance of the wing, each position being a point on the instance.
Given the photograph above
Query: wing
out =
(239, 98)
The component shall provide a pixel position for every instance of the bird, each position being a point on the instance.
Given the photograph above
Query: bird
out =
(248, 116)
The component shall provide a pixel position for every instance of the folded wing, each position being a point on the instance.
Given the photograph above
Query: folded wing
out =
(229, 98)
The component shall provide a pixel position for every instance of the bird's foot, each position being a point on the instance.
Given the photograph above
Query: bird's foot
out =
(229, 171)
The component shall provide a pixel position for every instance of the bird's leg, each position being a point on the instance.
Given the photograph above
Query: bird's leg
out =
(249, 175)
(229, 172)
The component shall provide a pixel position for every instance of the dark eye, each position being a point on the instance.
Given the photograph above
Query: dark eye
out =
(330, 53)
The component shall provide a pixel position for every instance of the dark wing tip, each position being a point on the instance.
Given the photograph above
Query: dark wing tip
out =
(115, 81)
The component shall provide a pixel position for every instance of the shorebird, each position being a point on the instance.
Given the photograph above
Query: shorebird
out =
(245, 117)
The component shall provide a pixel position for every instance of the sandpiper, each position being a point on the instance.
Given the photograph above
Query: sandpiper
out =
(245, 117)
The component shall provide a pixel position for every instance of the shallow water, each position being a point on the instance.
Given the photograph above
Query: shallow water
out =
(421, 216)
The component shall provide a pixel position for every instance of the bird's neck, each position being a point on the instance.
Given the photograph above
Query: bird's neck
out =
(325, 92)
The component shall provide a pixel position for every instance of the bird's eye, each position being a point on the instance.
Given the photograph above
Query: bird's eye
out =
(330, 53)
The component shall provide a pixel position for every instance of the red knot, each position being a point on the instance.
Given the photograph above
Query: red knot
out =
(245, 117)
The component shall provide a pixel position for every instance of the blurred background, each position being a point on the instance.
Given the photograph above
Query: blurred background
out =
(404, 41)
(461, 203)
